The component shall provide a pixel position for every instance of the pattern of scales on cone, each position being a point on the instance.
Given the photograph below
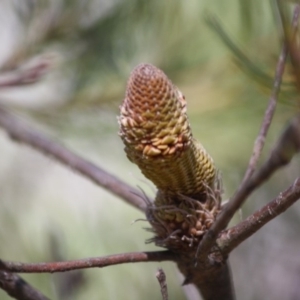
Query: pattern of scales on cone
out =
(157, 136)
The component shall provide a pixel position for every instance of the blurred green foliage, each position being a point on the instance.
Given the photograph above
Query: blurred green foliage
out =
(208, 49)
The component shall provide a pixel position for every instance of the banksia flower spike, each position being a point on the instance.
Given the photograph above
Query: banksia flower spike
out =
(157, 136)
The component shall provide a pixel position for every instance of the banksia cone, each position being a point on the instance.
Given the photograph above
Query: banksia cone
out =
(157, 136)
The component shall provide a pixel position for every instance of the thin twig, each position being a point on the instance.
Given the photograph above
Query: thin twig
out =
(269, 113)
(18, 288)
(161, 277)
(287, 146)
(232, 237)
(27, 75)
(94, 262)
(284, 150)
(251, 184)
(22, 133)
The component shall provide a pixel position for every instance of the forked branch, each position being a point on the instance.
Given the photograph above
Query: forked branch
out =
(232, 237)
(287, 147)
(269, 113)
(249, 184)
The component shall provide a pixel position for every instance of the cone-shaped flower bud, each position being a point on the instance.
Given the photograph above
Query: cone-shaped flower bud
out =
(157, 136)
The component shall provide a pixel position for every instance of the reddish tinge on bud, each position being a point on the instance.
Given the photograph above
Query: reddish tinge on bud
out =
(157, 137)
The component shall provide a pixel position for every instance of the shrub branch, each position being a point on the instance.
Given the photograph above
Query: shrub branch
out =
(94, 262)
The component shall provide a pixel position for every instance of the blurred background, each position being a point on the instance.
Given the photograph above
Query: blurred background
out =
(76, 57)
